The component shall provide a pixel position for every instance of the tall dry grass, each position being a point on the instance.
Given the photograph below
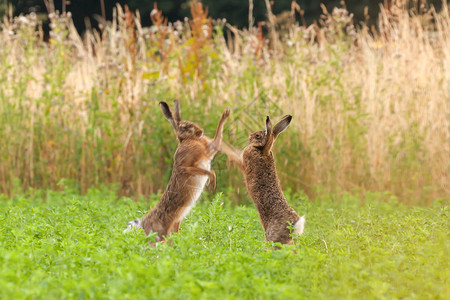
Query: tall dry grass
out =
(371, 110)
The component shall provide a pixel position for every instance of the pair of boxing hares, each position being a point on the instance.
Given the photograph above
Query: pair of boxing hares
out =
(192, 168)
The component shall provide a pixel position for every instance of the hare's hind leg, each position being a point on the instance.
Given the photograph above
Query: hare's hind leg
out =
(175, 227)
(278, 233)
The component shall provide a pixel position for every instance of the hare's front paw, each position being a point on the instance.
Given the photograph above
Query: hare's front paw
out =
(226, 113)
(132, 225)
(212, 181)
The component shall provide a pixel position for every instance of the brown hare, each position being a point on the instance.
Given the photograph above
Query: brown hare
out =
(191, 169)
(257, 164)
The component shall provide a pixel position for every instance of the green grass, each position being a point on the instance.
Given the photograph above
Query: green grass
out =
(72, 246)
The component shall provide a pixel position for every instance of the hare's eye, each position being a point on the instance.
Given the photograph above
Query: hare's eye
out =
(258, 136)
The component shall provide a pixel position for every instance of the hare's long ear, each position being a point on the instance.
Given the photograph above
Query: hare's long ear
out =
(168, 114)
(277, 129)
(177, 111)
(281, 125)
(268, 126)
(269, 135)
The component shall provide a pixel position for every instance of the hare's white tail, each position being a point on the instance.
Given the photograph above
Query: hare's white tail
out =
(300, 225)
(133, 225)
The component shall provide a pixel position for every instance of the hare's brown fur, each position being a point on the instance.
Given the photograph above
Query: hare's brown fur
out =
(191, 169)
(258, 166)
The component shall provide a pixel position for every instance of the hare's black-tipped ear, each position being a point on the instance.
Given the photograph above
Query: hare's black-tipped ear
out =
(168, 114)
(166, 110)
(268, 126)
(281, 125)
(277, 129)
(269, 136)
(177, 111)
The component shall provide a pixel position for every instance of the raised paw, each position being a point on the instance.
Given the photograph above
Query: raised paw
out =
(226, 113)
(212, 181)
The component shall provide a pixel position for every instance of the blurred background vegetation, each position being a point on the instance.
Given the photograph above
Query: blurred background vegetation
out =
(87, 12)
(371, 107)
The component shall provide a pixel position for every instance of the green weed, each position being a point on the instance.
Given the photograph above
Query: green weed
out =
(65, 245)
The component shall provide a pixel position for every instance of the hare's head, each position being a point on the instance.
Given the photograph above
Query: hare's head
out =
(183, 129)
(258, 138)
(264, 139)
(188, 129)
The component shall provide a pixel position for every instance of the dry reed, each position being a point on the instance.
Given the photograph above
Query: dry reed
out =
(371, 110)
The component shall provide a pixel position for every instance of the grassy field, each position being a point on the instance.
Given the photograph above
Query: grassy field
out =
(370, 107)
(71, 246)
(366, 157)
